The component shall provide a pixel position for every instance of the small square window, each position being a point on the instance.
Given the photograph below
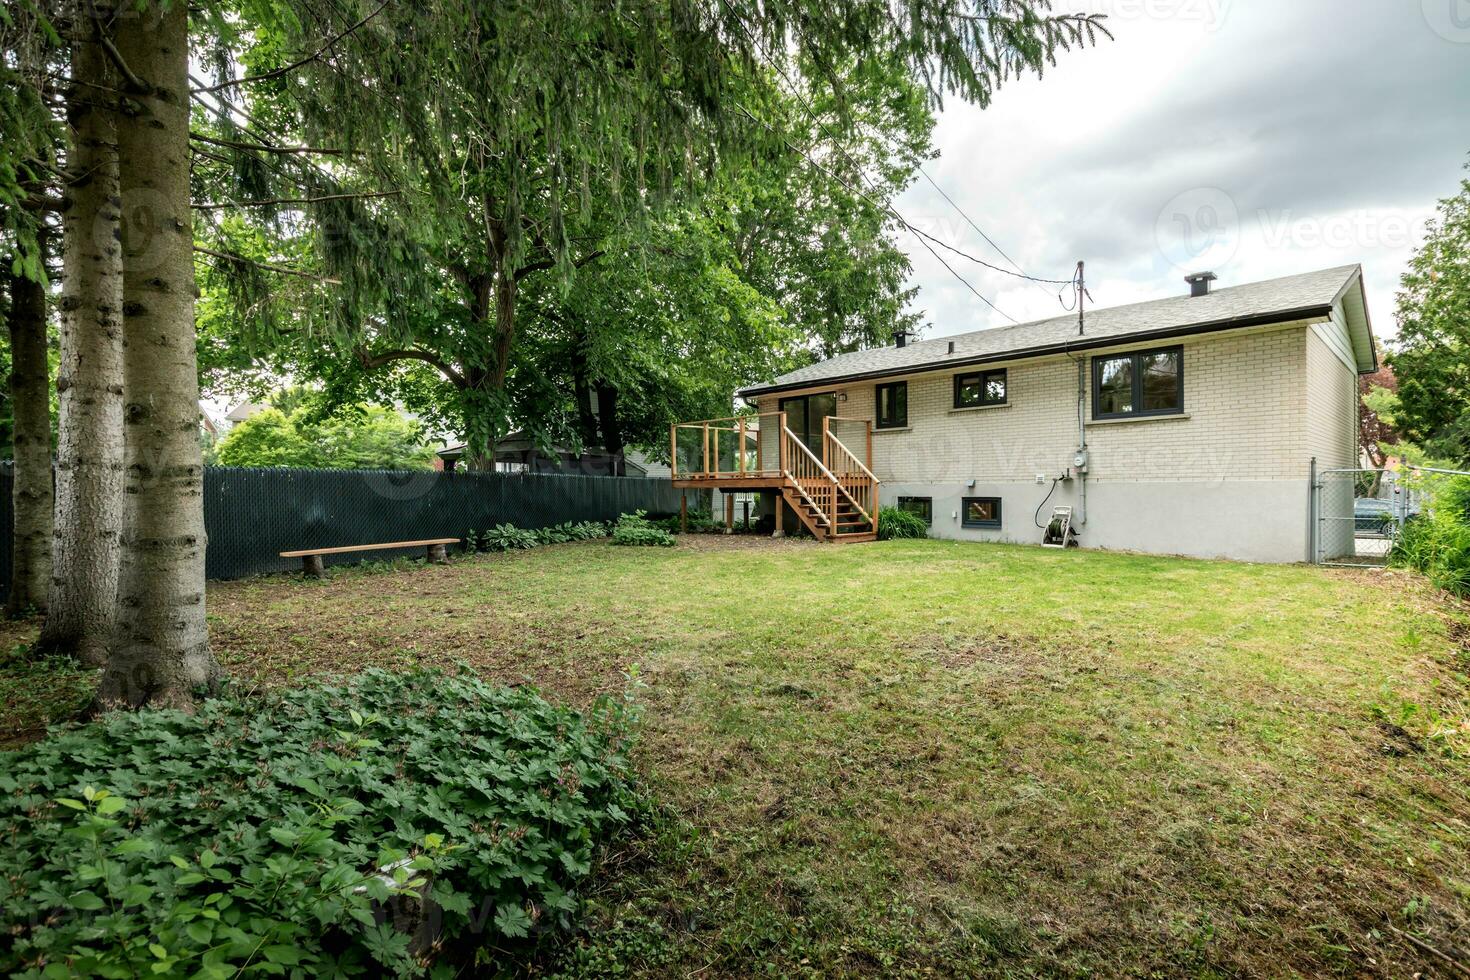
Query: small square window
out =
(982, 512)
(893, 405)
(922, 506)
(980, 388)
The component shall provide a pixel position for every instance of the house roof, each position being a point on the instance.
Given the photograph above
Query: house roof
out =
(1299, 297)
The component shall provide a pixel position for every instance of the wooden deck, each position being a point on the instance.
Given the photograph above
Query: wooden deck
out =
(834, 494)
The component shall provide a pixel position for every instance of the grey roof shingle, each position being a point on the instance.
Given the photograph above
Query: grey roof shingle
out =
(1221, 309)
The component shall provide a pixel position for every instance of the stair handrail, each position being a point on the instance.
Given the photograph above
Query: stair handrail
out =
(822, 470)
(866, 472)
(854, 456)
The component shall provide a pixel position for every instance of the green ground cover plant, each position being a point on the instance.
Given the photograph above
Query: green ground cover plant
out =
(389, 824)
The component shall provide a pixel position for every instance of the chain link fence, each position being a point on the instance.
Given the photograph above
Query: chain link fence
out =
(251, 515)
(1358, 514)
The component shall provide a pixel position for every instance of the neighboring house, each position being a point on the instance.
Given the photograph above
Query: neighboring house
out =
(1180, 426)
(519, 453)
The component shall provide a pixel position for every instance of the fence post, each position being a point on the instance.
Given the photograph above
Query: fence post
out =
(1313, 524)
(673, 451)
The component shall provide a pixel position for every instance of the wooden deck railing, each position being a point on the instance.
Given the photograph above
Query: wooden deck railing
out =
(853, 476)
(811, 477)
(739, 446)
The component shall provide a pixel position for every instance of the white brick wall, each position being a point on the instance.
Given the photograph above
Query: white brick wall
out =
(1245, 420)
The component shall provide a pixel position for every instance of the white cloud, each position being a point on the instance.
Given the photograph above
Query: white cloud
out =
(1312, 134)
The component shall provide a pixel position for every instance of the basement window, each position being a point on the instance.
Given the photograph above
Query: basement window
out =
(893, 405)
(981, 512)
(1138, 384)
(980, 389)
(922, 506)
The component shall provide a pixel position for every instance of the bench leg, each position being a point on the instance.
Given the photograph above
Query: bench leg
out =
(437, 555)
(312, 566)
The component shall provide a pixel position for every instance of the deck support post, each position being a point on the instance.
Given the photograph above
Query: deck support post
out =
(780, 531)
(312, 566)
(684, 512)
(437, 555)
(729, 513)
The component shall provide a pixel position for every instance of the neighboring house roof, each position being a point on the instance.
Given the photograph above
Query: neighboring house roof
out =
(244, 410)
(1306, 296)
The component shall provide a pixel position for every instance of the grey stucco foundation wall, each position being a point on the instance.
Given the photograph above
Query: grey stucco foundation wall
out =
(1262, 521)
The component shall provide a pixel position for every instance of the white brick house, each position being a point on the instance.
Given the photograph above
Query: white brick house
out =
(1199, 414)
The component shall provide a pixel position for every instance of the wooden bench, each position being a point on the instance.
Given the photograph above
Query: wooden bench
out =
(311, 559)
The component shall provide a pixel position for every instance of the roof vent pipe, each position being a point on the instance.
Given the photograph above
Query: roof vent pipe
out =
(902, 337)
(951, 346)
(1199, 283)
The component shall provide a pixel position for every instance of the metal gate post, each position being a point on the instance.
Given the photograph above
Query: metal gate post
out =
(1314, 554)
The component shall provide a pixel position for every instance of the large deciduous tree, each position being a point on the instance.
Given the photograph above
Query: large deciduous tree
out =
(1432, 358)
(160, 653)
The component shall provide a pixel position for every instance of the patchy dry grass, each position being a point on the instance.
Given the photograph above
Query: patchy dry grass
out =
(928, 757)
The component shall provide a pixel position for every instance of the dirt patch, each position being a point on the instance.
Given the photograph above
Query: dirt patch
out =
(1006, 651)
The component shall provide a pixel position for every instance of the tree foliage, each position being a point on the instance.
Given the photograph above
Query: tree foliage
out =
(357, 437)
(1432, 358)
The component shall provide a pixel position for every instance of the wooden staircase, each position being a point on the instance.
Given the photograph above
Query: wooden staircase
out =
(832, 490)
(837, 503)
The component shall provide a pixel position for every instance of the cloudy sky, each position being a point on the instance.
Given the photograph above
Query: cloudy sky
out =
(1255, 138)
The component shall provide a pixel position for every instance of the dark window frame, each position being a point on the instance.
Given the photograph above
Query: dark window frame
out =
(1136, 411)
(981, 376)
(878, 421)
(992, 525)
(928, 509)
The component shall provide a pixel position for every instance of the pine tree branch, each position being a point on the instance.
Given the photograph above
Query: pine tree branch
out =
(135, 85)
(287, 69)
(283, 270)
(292, 200)
(266, 147)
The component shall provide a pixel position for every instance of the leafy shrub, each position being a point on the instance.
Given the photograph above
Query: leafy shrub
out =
(335, 830)
(508, 537)
(587, 530)
(556, 534)
(1437, 541)
(635, 529)
(894, 524)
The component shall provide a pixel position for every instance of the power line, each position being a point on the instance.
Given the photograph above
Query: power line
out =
(900, 218)
(921, 235)
(989, 241)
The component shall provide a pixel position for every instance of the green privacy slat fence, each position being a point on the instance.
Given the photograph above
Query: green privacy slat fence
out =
(254, 514)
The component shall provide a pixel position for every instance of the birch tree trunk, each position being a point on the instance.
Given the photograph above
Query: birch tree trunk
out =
(160, 652)
(31, 494)
(83, 592)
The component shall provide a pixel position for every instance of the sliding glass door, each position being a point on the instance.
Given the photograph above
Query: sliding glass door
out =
(804, 417)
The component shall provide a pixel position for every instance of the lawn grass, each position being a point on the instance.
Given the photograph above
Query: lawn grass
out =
(937, 758)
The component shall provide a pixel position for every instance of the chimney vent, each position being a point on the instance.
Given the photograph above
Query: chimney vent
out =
(901, 338)
(1199, 283)
(951, 346)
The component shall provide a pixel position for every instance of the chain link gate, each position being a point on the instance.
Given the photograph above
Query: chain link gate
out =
(1357, 515)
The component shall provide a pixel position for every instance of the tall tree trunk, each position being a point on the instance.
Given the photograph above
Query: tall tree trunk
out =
(161, 652)
(89, 451)
(612, 429)
(32, 496)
